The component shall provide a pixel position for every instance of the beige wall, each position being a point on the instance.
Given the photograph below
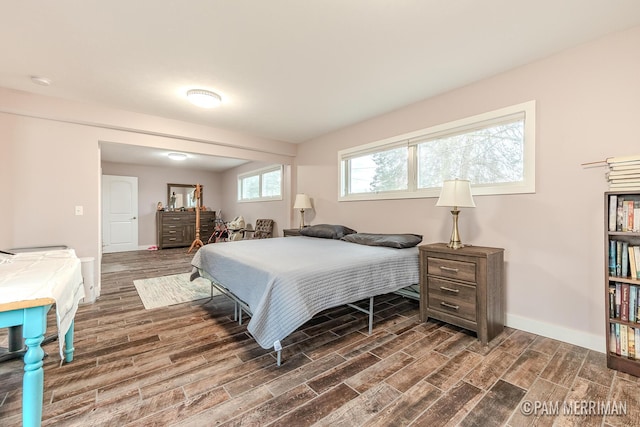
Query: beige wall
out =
(587, 109)
(278, 210)
(588, 104)
(50, 150)
(152, 188)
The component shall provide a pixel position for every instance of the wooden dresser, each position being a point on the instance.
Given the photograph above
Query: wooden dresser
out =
(463, 287)
(177, 229)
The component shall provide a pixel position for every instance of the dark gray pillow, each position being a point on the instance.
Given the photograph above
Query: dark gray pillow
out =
(326, 231)
(399, 241)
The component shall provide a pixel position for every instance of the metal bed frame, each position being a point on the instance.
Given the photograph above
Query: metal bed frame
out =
(239, 306)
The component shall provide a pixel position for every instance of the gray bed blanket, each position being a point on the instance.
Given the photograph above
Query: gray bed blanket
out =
(285, 281)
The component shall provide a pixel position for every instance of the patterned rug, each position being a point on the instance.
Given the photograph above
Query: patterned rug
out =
(169, 290)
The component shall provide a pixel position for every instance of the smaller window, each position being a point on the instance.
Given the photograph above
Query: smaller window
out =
(260, 185)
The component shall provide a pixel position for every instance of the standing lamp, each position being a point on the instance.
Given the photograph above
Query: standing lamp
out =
(456, 194)
(302, 202)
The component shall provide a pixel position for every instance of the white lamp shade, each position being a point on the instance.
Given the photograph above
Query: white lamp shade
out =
(302, 202)
(456, 192)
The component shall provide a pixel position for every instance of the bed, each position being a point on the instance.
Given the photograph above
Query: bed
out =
(283, 282)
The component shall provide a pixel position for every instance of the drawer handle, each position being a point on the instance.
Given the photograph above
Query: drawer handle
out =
(455, 291)
(172, 226)
(172, 232)
(446, 304)
(176, 219)
(452, 270)
(172, 239)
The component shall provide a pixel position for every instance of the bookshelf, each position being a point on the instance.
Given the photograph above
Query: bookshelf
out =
(622, 272)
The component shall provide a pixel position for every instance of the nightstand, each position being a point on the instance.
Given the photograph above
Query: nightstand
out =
(289, 232)
(463, 287)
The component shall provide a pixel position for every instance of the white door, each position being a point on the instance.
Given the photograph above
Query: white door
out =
(119, 213)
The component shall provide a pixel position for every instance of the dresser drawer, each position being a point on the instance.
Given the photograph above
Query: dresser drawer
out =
(452, 297)
(172, 229)
(460, 270)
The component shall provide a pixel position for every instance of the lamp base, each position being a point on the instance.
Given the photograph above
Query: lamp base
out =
(301, 219)
(454, 242)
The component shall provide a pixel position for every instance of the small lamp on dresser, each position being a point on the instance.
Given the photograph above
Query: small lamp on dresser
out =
(456, 193)
(302, 202)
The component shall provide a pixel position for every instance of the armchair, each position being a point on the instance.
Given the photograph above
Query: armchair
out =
(263, 230)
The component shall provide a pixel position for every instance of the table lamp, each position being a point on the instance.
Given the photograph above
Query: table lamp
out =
(302, 202)
(456, 194)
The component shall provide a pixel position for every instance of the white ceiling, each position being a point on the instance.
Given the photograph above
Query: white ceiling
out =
(287, 70)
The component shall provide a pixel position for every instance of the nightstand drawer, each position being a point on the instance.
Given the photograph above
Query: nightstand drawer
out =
(452, 269)
(452, 297)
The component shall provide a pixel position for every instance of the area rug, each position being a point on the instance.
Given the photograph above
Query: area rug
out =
(169, 290)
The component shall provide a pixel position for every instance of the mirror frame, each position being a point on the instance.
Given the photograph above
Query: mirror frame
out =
(169, 189)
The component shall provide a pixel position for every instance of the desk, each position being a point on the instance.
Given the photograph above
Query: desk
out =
(30, 284)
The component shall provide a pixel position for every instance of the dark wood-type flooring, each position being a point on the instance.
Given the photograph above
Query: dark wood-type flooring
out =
(192, 365)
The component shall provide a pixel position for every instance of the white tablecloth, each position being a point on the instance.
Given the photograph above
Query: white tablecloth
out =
(52, 274)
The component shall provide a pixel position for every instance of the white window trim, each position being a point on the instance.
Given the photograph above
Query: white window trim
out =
(526, 186)
(259, 173)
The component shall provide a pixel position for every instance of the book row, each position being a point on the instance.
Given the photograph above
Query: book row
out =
(624, 340)
(624, 302)
(624, 259)
(624, 173)
(624, 214)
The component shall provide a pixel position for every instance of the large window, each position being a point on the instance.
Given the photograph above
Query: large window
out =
(495, 151)
(263, 184)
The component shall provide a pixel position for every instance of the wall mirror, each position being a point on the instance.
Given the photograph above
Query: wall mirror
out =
(182, 196)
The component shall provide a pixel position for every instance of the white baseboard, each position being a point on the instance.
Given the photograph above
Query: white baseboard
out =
(549, 330)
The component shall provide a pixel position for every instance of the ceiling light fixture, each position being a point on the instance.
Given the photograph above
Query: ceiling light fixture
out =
(42, 81)
(177, 156)
(204, 98)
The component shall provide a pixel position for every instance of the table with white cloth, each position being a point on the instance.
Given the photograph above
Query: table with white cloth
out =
(30, 283)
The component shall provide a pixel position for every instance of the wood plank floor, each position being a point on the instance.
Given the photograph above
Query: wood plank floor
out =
(192, 365)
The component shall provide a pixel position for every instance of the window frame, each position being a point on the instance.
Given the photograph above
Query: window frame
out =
(260, 173)
(412, 139)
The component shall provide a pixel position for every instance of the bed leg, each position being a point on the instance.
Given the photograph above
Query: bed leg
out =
(370, 315)
(279, 355)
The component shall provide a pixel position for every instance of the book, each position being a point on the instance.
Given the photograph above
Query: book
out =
(629, 204)
(618, 258)
(632, 263)
(624, 341)
(636, 255)
(623, 167)
(612, 337)
(631, 345)
(624, 262)
(633, 302)
(636, 215)
(618, 299)
(619, 214)
(624, 302)
(635, 159)
(637, 340)
(613, 206)
(612, 301)
(624, 173)
(618, 349)
(612, 257)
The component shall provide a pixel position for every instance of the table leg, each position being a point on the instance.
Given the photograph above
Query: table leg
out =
(34, 327)
(68, 344)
